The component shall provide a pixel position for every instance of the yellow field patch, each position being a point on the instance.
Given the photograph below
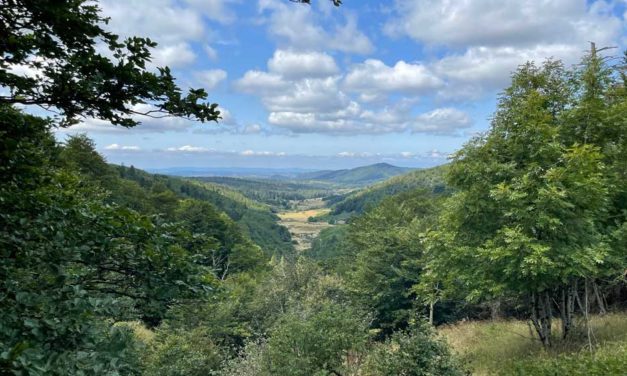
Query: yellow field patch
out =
(302, 216)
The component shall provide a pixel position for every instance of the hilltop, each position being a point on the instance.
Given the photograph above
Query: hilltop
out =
(359, 176)
(356, 202)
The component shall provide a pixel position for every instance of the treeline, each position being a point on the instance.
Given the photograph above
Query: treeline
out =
(534, 227)
(277, 194)
(111, 270)
(358, 202)
(83, 248)
(256, 220)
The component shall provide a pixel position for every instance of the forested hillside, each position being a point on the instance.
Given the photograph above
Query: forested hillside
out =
(276, 193)
(359, 176)
(508, 260)
(254, 218)
(357, 202)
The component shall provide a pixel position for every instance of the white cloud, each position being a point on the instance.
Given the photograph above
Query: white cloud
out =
(481, 69)
(374, 77)
(296, 28)
(489, 39)
(163, 20)
(258, 82)
(441, 121)
(326, 103)
(252, 129)
(355, 120)
(174, 56)
(171, 23)
(503, 22)
(294, 65)
(216, 10)
(211, 53)
(210, 78)
(309, 95)
(352, 154)
(252, 153)
(122, 147)
(189, 149)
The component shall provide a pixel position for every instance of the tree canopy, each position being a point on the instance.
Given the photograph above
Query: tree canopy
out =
(60, 56)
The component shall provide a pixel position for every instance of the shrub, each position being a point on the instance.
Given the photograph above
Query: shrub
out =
(413, 353)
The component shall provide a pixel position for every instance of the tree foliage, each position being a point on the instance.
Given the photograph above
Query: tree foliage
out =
(52, 57)
(530, 212)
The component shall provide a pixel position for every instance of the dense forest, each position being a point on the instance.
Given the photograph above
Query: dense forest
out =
(110, 270)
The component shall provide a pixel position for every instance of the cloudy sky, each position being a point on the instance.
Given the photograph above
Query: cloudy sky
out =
(404, 82)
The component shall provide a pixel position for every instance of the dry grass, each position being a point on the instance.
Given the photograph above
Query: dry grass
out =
(303, 231)
(302, 216)
(489, 347)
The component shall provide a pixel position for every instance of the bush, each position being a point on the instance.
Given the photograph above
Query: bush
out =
(413, 353)
(183, 353)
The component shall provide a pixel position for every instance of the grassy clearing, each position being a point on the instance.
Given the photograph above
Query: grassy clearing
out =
(509, 348)
(303, 232)
(302, 216)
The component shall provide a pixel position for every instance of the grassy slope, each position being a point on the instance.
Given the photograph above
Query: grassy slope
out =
(357, 202)
(508, 348)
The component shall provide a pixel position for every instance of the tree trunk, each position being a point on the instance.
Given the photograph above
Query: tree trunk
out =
(597, 295)
(431, 307)
(495, 309)
(567, 307)
(541, 316)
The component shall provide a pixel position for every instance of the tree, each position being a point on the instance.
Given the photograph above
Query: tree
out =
(50, 58)
(531, 198)
(388, 255)
(70, 263)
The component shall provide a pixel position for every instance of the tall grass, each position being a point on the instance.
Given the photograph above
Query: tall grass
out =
(510, 347)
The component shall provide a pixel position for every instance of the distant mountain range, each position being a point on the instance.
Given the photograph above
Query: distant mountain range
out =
(361, 176)
(268, 173)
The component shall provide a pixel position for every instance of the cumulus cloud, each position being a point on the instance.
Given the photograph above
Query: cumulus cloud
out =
(294, 65)
(486, 40)
(482, 69)
(173, 24)
(373, 77)
(503, 22)
(122, 147)
(259, 82)
(441, 121)
(154, 125)
(216, 10)
(296, 28)
(210, 78)
(304, 97)
(174, 55)
(252, 153)
(189, 149)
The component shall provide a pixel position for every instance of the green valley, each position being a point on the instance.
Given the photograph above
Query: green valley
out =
(509, 257)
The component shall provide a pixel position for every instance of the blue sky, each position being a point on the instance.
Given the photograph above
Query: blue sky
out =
(405, 82)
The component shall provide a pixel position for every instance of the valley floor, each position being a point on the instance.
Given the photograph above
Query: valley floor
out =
(509, 348)
(297, 222)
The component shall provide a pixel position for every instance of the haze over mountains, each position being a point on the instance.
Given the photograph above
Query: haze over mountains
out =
(359, 176)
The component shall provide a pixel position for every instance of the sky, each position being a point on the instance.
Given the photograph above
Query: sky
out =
(405, 82)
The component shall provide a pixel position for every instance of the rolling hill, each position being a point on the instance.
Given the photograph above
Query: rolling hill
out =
(276, 193)
(358, 201)
(254, 218)
(360, 176)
